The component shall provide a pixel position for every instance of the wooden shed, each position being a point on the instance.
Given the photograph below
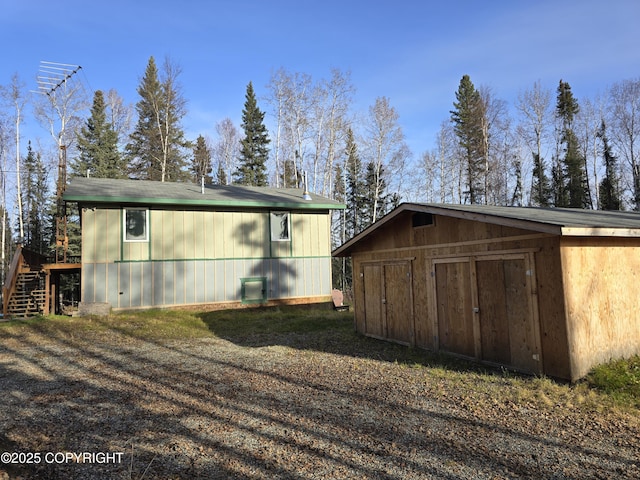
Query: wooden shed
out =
(544, 291)
(160, 244)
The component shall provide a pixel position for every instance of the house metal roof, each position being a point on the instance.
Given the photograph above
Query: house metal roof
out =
(556, 221)
(145, 192)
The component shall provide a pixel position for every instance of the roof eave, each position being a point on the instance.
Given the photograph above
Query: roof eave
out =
(599, 232)
(119, 200)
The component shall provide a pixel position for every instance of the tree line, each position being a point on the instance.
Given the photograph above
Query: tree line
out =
(547, 150)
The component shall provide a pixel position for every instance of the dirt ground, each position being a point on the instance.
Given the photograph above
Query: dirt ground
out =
(114, 407)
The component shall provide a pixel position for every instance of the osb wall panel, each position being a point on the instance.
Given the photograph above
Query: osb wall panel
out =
(602, 278)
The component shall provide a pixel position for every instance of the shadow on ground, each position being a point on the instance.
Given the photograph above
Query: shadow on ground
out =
(323, 330)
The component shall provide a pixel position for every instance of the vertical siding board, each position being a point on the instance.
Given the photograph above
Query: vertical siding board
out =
(135, 285)
(221, 248)
(158, 283)
(201, 222)
(225, 274)
(211, 281)
(200, 283)
(147, 284)
(170, 247)
(113, 234)
(156, 225)
(101, 278)
(124, 272)
(308, 277)
(111, 285)
(89, 254)
(181, 275)
(88, 282)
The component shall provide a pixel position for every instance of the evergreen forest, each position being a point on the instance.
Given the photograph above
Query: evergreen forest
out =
(547, 148)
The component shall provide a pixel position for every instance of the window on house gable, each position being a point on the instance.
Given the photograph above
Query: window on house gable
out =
(422, 219)
(136, 225)
(280, 227)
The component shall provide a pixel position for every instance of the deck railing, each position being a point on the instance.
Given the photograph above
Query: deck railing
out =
(9, 287)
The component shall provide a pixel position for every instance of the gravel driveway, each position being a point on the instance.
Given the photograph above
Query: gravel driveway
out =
(116, 407)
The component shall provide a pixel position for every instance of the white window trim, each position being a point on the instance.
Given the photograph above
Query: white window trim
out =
(124, 225)
(276, 226)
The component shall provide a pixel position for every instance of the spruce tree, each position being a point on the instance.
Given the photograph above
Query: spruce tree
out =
(541, 190)
(35, 201)
(221, 175)
(201, 165)
(98, 154)
(609, 188)
(288, 176)
(254, 150)
(156, 148)
(467, 119)
(573, 176)
(355, 194)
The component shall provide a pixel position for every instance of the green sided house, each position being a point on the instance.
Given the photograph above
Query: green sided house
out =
(159, 244)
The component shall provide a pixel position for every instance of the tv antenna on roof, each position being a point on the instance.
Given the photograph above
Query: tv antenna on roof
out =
(53, 78)
(54, 75)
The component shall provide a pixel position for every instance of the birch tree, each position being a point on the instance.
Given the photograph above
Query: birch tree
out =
(624, 101)
(15, 97)
(119, 115)
(534, 113)
(331, 100)
(291, 96)
(386, 153)
(225, 150)
(5, 235)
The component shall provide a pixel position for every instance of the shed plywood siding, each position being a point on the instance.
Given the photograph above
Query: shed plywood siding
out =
(601, 278)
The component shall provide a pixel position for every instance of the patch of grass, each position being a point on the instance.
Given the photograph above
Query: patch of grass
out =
(158, 324)
(274, 320)
(619, 379)
(149, 324)
(49, 325)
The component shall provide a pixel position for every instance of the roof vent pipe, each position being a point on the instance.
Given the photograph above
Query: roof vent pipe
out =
(305, 193)
(202, 185)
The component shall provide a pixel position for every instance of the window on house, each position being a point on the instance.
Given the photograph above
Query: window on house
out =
(421, 219)
(136, 225)
(280, 227)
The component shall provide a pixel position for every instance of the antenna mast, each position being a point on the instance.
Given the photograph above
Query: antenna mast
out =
(52, 77)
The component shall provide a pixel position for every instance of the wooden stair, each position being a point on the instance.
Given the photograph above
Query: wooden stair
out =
(29, 296)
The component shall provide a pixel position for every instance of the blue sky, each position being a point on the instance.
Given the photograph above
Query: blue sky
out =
(413, 52)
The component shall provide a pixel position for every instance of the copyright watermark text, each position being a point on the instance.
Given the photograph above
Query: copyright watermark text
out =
(26, 458)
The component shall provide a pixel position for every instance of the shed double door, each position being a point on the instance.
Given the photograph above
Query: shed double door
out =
(486, 309)
(388, 309)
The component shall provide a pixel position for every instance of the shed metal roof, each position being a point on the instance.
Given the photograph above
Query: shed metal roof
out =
(556, 221)
(145, 192)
